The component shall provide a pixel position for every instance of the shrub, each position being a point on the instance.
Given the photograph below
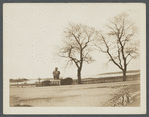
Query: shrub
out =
(38, 85)
(67, 81)
(46, 83)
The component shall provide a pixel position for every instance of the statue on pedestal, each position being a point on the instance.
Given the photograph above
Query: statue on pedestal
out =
(56, 74)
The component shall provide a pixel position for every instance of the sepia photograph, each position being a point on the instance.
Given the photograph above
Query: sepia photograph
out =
(74, 58)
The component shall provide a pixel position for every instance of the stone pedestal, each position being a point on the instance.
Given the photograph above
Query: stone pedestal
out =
(55, 82)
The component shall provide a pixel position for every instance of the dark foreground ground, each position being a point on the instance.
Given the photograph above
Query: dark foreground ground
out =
(87, 95)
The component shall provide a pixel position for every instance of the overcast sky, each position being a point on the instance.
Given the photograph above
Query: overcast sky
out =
(33, 31)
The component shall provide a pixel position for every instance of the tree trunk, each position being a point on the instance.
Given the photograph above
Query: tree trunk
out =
(124, 70)
(79, 76)
(124, 74)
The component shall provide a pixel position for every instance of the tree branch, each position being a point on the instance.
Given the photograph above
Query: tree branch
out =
(122, 29)
(77, 40)
(67, 63)
(101, 49)
(114, 60)
(126, 39)
(129, 61)
(119, 57)
(110, 53)
(127, 55)
(74, 59)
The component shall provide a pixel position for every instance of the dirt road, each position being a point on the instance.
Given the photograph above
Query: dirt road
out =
(87, 95)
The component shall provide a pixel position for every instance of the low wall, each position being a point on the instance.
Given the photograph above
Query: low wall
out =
(111, 79)
(55, 82)
(93, 80)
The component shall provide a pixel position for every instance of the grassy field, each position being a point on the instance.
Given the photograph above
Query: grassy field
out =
(86, 95)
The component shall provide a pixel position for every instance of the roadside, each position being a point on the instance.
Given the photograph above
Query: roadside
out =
(86, 95)
(129, 96)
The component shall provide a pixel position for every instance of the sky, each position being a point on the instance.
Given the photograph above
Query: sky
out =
(32, 32)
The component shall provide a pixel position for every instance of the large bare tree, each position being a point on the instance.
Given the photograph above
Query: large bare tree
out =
(119, 42)
(76, 46)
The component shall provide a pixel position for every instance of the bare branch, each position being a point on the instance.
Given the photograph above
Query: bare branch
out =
(108, 52)
(114, 60)
(88, 41)
(99, 48)
(129, 61)
(115, 33)
(67, 63)
(122, 32)
(127, 55)
(119, 57)
(127, 39)
(78, 38)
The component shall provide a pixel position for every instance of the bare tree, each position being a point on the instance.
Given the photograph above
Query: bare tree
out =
(118, 42)
(76, 46)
